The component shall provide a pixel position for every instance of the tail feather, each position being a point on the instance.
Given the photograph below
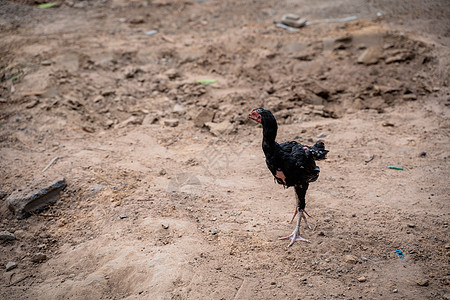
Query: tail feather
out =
(318, 150)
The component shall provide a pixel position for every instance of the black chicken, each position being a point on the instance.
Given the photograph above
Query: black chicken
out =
(291, 163)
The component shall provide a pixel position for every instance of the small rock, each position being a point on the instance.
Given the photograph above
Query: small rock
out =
(179, 109)
(46, 62)
(137, 20)
(423, 282)
(130, 71)
(218, 129)
(321, 135)
(40, 257)
(213, 233)
(362, 279)
(165, 225)
(2, 194)
(61, 222)
(422, 154)
(20, 234)
(7, 236)
(409, 97)
(162, 172)
(293, 20)
(327, 220)
(98, 99)
(370, 56)
(350, 259)
(22, 203)
(411, 225)
(399, 55)
(32, 104)
(123, 216)
(171, 122)
(395, 291)
(133, 120)
(10, 265)
(172, 74)
(321, 233)
(204, 116)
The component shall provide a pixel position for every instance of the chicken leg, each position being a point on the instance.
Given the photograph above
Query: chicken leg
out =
(295, 235)
(300, 192)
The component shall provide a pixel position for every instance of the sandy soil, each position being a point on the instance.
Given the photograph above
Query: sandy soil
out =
(168, 195)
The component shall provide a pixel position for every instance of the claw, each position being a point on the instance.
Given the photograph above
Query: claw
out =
(295, 235)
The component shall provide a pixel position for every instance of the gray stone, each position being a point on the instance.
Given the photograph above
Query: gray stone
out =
(34, 199)
(204, 116)
(370, 56)
(2, 194)
(293, 20)
(6, 236)
(10, 265)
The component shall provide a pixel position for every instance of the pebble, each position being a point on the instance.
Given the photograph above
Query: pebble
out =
(171, 122)
(165, 225)
(411, 225)
(6, 236)
(179, 109)
(422, 154)
(423, 282)
(370, 55)
(204, 116)
(395, 291)
(123, 216)
(326, 220)
(409, 97)
(321, 135)
(362, 279)
(350, 259)
(10, 265)
(40, 257)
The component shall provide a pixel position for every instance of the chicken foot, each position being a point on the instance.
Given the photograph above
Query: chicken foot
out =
(295, 235)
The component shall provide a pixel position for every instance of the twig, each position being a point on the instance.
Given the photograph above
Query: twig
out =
(50, 164)
(19, 280)
(37, 93)
(100, 176)
(370, 159)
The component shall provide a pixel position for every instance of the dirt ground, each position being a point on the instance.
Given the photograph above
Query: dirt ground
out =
(168, 195)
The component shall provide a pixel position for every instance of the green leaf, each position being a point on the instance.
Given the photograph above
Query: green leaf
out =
(47, 5)
(207, 81)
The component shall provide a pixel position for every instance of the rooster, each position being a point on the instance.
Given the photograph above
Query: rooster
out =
(291, 164)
